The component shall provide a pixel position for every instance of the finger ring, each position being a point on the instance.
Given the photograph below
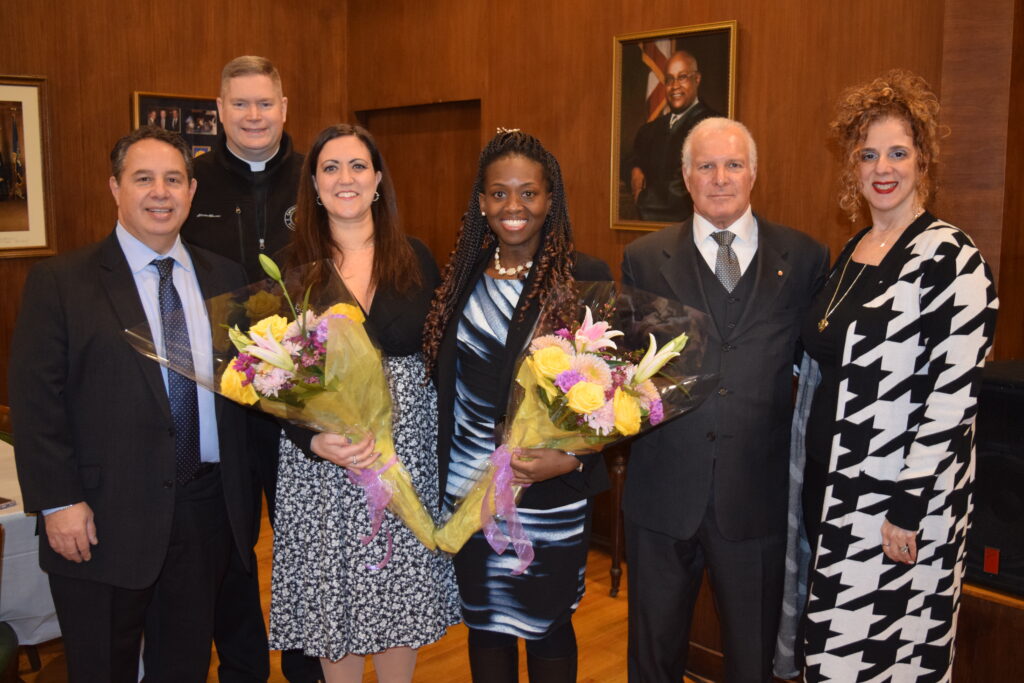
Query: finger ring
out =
(905, 548)
(352, 460)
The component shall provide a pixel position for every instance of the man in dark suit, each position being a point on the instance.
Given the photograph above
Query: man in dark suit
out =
(655, 182)
(139, 475)
(709, 489)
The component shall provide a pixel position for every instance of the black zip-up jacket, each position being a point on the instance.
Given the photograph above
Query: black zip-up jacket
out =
(239, 214)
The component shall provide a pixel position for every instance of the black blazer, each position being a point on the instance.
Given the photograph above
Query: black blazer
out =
(735, 445)
(542, 495)
(657, 151)
(91, 417)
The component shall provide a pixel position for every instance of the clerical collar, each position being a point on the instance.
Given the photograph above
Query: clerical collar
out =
(255, 166)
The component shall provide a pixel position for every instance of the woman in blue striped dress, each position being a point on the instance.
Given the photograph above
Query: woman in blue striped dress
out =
(513, 255)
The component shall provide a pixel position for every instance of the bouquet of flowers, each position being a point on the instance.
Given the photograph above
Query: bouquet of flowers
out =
(318, 370)
(593, 374)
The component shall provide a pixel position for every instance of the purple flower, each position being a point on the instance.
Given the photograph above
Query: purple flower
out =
(657, 412)
(564, 333)
(567, 379)
(245, 364)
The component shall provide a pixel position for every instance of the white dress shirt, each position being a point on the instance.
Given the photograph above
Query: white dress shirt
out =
(745, 244)
(147, 281)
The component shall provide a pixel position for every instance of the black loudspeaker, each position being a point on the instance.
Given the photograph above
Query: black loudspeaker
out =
(995, 543)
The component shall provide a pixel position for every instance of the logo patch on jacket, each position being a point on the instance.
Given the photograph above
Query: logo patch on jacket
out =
(289, 218)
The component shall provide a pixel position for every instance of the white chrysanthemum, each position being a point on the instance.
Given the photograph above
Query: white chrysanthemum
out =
(593, 369)
(552, 340)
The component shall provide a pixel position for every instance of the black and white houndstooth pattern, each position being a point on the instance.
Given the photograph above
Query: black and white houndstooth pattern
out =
(903, 450)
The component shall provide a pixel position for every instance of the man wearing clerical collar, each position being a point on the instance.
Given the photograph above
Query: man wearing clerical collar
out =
(244, 207)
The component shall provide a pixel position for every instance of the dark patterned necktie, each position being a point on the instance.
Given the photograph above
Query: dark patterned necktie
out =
(727, 266)
(181, 390)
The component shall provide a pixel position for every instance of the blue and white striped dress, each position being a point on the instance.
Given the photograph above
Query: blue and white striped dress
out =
(544, 597)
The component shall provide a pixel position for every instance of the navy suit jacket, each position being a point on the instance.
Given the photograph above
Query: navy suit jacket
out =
(735, 445)
(92, 420)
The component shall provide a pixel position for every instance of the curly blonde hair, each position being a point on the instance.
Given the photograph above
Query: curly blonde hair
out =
(899, 94)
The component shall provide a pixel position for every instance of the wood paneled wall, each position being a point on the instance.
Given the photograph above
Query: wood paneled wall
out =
(545, 67)
(95, 54)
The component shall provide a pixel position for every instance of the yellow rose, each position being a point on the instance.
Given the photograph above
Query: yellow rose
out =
(627, 413)
(219, 309)
(261, 304)
(550, 361)
(348, 310)
(231, 387)
(274, 327)
(585, 397)
(540, 380)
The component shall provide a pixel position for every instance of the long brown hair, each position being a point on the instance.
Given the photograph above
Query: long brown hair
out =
(555, 258)
(394, 263)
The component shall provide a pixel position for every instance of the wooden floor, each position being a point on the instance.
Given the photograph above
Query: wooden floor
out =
(600, 626)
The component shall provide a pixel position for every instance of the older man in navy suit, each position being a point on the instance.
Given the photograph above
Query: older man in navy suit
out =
(709, 490)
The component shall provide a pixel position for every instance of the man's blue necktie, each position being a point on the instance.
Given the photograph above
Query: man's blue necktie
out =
(180, 389)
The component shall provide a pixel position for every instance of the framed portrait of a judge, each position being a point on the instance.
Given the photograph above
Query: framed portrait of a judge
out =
(665, 83)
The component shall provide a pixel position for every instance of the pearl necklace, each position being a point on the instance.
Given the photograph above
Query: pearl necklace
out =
(518, 271)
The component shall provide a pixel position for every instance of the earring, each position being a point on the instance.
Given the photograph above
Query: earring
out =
(318, 202)
(376, 196)
(483, 213)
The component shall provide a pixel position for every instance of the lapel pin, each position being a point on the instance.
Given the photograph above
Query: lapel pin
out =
(779, 273)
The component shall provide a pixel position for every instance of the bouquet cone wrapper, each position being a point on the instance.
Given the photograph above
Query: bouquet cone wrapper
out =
(628, 334)
(313, 365)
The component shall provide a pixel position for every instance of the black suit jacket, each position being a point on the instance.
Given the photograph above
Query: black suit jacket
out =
(735, 445)
(542, 495)
(657, 151)
(92, 420)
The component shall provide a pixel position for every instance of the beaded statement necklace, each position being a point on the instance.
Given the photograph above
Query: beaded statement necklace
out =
(519, 271)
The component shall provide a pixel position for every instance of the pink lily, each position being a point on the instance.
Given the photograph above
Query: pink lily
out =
(594, 336)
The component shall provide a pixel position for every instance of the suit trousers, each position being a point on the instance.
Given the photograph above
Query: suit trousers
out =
(103, 625)
(664, 578)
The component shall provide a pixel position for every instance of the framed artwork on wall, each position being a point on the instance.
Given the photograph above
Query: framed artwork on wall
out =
(665, 82)
(26, 223)
(194, 118)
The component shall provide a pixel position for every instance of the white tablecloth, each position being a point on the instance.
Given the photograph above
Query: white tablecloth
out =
(25, 601)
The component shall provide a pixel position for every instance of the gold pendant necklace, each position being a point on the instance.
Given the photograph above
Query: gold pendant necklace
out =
(833, 304)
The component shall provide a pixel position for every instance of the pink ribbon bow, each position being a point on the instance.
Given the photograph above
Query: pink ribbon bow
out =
(505, 506)
(378, 495)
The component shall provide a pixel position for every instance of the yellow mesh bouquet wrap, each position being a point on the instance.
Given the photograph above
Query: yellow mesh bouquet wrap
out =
(313, 365)
(594, 373)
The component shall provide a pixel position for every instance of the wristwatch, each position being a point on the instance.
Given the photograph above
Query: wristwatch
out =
(579, 467)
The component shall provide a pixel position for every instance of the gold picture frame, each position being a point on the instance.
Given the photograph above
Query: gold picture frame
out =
(646, 137)
(26, 215)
